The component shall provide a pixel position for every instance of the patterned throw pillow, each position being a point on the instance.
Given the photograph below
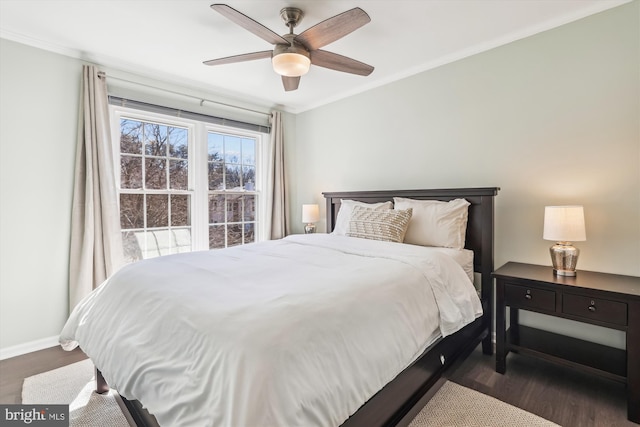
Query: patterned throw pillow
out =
(344, 214)
(387, 225)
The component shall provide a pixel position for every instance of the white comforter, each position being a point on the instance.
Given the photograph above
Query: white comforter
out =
(294, 332)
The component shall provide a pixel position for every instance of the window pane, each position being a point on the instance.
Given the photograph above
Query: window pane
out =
(157, 210)
(216, 176)
(234, 235)
(249, 151)
(234, 208)
(130, 172)
(249, 177)
(131, 246)
(130, 136)
(178, 143)
(249, 233)
(178, 174)
(181, 240)
(159, 242)
(180, 213)
(155, 174)
(147, 243)
(216, 236)
(216, 209)
(155, 139)
(249, 213)
(232, 146)
(215, 144)
(131, 211)
(232, 175)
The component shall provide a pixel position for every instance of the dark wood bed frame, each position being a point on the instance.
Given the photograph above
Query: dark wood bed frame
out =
(397, 403)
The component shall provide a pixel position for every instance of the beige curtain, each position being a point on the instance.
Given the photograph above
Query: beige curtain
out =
(276, 190)
(96, 242)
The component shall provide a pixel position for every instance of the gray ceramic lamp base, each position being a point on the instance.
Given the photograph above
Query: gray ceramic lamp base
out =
(564, 258)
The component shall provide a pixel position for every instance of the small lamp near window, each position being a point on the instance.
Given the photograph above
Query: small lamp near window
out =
(564, 224)
(310, 215)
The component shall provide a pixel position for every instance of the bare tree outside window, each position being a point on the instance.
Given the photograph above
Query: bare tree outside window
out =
(232, 197)
(154, 208)
(157, 196)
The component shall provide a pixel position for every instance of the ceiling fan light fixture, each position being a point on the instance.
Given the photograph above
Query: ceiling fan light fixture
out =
(294, 53)
(290, 64)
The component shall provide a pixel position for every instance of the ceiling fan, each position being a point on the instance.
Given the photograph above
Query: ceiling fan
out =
(293, 54)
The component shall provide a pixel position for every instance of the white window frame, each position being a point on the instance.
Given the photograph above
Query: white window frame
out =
(198, 186)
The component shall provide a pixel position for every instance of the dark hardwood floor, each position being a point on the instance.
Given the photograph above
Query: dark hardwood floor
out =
(567, 397)
(559, 394)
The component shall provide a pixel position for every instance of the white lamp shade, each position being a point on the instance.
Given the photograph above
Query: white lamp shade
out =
(310, 213)
(564, 224)
(291, 64)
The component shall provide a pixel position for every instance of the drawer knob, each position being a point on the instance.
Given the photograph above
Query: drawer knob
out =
(528, 296)
(592, 308)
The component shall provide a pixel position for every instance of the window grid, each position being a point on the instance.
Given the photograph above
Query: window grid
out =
(222, 223)
(150, 224)
(237, 187)
(232, 195)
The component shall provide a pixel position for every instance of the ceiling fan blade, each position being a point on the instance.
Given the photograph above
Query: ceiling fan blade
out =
(239, 58)
(333, 61)
(333, 29)
(290, 83)
(249, 24)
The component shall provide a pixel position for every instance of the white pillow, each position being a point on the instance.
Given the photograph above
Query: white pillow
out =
(344, 214)
(375, 224)
(436, 223)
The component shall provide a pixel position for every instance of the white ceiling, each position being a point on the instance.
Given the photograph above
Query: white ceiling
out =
(169, 39)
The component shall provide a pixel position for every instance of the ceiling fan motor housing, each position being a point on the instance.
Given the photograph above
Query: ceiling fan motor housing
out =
(291, 16)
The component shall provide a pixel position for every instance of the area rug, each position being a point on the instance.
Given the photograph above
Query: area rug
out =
(457, 406)
(452, 406)
(74, 385)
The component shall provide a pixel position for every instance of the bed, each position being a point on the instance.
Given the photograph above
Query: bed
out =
(361, 377)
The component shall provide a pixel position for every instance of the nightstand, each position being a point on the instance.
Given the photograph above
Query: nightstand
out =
(608, 300)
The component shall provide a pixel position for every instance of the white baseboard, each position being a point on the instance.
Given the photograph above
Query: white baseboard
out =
(28, 347)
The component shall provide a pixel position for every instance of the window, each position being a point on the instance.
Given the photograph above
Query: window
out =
(232, 195)
(185, 185)
(154, 189)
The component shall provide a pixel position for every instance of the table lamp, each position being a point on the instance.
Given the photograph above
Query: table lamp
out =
(310, 215)
(564, 224)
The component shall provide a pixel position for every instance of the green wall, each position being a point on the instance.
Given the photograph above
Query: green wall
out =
(551, 119)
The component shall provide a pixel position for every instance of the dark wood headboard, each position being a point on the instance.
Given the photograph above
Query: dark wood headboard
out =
(480, 228)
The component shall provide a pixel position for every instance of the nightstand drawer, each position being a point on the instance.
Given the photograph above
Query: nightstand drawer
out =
(594, 308)
(522, 296)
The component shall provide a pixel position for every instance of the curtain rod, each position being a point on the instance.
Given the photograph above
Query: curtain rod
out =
(201, 99)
